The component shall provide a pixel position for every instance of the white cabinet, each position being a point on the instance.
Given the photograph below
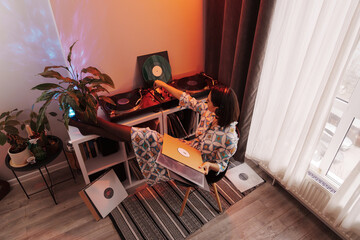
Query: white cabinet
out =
(99, 163)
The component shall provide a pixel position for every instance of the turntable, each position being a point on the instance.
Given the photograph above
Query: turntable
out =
(155, 67)
(197, 85)
(130, 103)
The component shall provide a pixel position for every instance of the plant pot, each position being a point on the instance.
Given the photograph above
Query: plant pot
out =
(20, 159)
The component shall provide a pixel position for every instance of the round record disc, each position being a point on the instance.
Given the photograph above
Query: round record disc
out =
(154, 68)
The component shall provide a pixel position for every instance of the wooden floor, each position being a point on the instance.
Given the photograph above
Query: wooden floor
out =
(269, 212)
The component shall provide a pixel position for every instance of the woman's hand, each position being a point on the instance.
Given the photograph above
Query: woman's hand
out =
(159, 83)
(170, 89)
(207, 166)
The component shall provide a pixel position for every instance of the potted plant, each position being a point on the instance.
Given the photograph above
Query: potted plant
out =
(79, 92)
(38, 141)
(39, 130)
(9, 133)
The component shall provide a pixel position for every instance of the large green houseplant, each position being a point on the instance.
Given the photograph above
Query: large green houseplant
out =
(78, 92)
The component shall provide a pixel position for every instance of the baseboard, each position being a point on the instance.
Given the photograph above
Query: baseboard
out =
(36, 174)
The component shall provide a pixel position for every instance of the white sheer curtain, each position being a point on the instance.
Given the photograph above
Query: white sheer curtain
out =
(344, 206)
(308, 47)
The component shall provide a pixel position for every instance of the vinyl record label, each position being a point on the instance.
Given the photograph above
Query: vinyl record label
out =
(157, 71)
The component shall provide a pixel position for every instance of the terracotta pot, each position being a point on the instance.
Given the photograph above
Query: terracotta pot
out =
(20, 159)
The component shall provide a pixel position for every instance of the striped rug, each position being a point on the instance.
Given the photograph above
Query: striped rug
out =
(152, 213)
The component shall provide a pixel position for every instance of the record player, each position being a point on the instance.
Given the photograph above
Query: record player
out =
(155, 67)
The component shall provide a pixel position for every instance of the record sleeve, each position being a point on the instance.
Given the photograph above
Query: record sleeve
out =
(155, 66)
(103, 195)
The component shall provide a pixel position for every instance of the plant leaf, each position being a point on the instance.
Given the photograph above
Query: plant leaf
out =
(51, 74)
(3, 114)
(46, 86)
(41, 115)
(91, 114)
(69, 80)
(48, 67)
(9, 118)
(66, 117)
(11, 130)
(2, 138)
(33, 115)
(70, 52)
(12, 123)
(19, 112)
(70, 101)
(107, 99)
(74, 97)
(33, 125)
(46, 96)
(93, 70)
(107, 80)
(98, 88)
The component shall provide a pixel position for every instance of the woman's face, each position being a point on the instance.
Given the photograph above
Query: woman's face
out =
(211, 106)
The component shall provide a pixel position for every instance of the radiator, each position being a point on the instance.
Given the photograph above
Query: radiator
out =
(315, 192)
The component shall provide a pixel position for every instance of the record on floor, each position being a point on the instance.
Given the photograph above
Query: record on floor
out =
(243, 177)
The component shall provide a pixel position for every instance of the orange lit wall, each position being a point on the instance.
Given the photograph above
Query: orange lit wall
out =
(112, 33)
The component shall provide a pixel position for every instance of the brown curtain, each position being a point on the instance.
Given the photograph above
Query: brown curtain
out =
(235, 37)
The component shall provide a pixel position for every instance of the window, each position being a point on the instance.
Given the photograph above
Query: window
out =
(338, 150)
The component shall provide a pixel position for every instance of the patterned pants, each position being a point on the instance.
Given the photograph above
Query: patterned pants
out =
(147, 145)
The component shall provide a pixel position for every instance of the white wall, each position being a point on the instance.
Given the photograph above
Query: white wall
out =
(28, 42)
(111, 34)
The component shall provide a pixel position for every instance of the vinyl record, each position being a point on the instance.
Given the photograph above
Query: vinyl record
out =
(154, 68)
(191, 83)
(125, 101)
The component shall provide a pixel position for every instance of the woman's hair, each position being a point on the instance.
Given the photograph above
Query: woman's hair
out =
(228, 106)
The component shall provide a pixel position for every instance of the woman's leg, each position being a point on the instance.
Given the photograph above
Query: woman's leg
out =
(123, 132)
(103, 128)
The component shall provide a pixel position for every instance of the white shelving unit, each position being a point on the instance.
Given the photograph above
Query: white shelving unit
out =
(100, 163)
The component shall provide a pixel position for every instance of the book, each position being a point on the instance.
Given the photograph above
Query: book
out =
(91, 145)
(82, 150)
(87, 150)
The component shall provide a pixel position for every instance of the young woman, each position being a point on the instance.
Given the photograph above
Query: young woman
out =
(215, 137)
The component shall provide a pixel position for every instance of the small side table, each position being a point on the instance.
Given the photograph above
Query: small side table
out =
(41, 164)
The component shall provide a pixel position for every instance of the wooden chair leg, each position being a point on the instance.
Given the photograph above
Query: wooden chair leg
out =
(217, 197)
(184, 201)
